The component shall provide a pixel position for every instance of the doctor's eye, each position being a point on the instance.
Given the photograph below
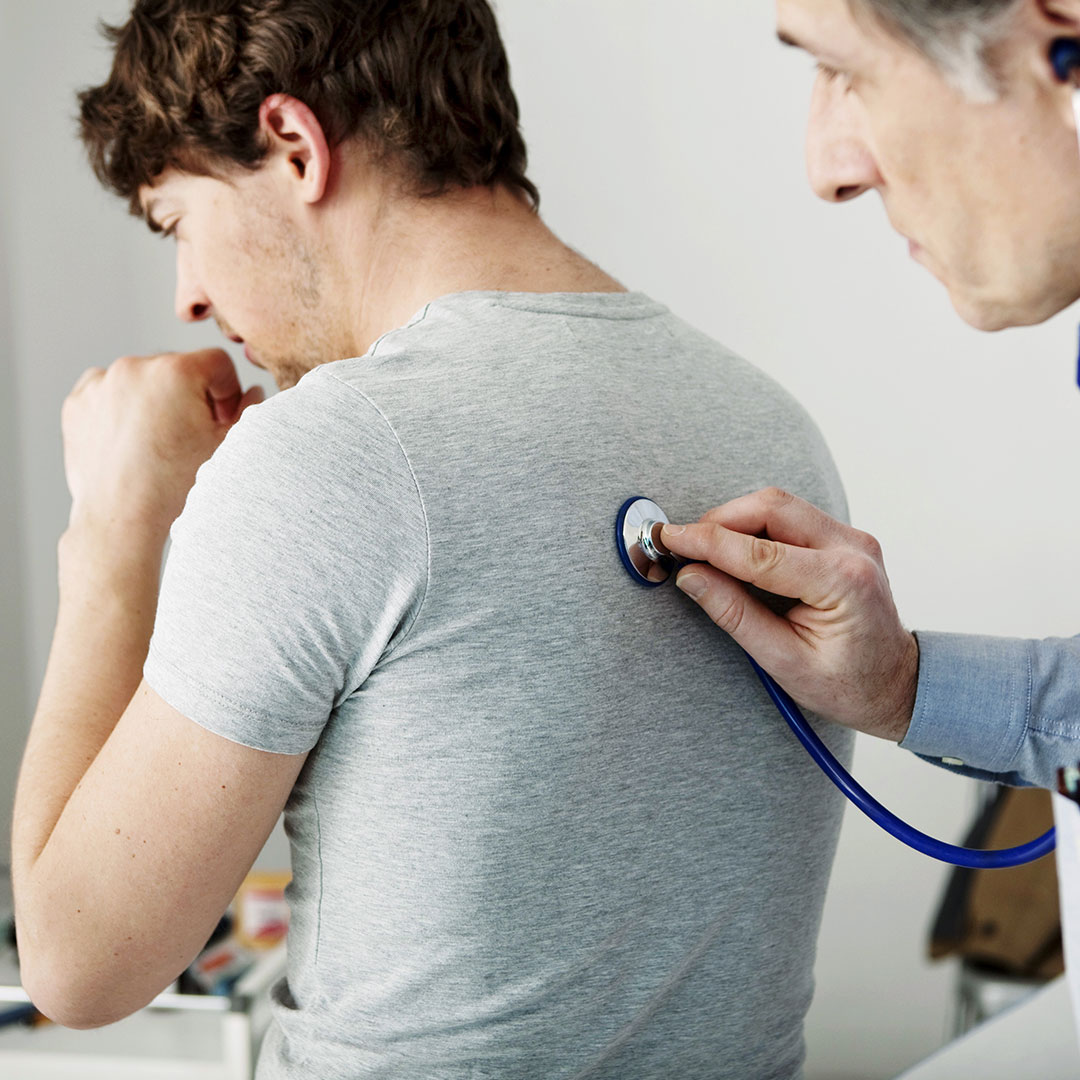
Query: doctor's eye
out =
(831, 75)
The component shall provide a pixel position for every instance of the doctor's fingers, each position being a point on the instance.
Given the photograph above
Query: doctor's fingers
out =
(817, 578)
(779, 515)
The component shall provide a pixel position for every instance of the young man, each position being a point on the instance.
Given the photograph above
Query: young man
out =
(530, 837)
(958, 116)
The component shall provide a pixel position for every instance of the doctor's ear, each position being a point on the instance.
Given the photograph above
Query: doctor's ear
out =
(297, 144)
(1058, 18)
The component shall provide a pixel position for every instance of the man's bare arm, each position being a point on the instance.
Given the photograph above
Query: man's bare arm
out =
(133, 826)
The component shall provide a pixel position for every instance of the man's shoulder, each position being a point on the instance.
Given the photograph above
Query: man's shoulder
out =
(516, 353)
(308, 437)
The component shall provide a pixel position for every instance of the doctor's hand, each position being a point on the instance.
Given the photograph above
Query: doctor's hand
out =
(136, 433)
(842, 652)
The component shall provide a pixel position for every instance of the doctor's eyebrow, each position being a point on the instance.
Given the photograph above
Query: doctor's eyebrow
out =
(786, 39)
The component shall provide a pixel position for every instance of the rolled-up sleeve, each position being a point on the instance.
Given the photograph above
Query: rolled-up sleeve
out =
(1000, 709)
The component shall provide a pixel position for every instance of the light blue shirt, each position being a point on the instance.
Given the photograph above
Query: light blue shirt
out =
(1000, 709)
(1008, 710)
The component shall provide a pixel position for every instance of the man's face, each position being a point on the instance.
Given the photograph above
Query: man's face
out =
(987, 193)
(241, 260)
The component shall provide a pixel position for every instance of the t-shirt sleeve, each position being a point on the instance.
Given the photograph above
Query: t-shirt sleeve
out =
(299, 562)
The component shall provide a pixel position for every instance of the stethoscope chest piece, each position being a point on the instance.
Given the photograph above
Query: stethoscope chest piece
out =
(637, 538)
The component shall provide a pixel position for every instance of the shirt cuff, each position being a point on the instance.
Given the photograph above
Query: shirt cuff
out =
(973, 701)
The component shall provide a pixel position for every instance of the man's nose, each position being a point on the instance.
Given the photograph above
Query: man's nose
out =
(838, 159)
(192, 303)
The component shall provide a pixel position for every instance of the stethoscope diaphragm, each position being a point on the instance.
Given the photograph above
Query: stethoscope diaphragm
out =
(637, 538)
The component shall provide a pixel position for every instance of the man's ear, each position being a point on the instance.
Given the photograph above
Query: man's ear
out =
(298, 143)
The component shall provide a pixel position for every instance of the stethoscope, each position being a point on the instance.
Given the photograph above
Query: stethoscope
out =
(650, 563)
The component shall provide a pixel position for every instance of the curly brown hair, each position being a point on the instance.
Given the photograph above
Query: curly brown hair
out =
(425, 82)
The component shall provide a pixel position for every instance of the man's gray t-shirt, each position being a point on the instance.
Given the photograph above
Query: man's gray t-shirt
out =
(550, 825)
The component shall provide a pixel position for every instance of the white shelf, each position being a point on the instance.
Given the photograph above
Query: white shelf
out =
(176, 1037)
(148, 1044)
(1035, 1038)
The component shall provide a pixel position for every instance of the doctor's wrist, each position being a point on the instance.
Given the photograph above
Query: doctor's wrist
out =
(905, 685)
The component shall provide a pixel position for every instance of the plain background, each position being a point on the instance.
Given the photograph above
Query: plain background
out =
(666, 140)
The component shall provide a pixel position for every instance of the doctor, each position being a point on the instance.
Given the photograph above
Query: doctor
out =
(954, 112)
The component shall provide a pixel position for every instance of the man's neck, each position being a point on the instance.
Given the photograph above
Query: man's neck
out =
(410, 252)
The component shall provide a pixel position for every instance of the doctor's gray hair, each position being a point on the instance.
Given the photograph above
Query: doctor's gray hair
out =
(957, 36)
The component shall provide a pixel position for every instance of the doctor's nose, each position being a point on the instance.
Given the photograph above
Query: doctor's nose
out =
(839, 163)
(192, 303)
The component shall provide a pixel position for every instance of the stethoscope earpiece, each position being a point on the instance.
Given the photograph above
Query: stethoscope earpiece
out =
(1065, 58)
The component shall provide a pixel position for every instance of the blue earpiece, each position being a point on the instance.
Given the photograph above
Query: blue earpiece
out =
(1065, 57)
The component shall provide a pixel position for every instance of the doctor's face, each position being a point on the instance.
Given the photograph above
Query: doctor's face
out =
(986, 192)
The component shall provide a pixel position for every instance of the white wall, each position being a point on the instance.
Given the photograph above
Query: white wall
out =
(12, 633)
(666, 139)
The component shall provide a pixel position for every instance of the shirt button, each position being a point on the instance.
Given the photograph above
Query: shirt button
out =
(951, 761)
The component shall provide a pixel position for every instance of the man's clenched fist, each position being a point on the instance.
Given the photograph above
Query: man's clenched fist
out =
(136, 433)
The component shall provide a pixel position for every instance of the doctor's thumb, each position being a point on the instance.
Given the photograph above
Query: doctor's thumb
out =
(694, 585)
(730, 605)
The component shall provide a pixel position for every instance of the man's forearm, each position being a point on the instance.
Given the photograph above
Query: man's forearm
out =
(108, 594)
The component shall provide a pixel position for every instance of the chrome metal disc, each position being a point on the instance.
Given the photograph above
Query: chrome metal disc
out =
(636, 537)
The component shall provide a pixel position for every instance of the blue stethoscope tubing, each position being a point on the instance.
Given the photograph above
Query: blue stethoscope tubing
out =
(880, 815)
(826, 761)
